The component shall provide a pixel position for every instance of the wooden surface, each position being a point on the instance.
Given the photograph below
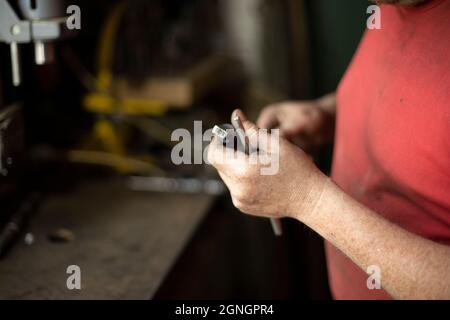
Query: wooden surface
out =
(125, 243)
(181, 91)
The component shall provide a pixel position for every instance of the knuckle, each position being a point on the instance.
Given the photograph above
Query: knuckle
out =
(242, 194)
(237, 203)
(239, 195)
(252, 133)
(270, 108)
(242, 172)
(269, 111)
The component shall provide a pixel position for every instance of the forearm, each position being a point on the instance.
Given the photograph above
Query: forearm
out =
(411, 267)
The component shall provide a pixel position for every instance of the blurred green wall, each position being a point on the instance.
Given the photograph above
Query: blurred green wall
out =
(335, 28)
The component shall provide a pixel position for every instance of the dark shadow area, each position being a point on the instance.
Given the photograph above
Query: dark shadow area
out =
(237, 256)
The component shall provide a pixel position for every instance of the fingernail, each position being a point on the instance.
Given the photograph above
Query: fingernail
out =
(238, 114)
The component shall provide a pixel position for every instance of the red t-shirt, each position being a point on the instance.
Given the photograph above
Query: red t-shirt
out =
(392, 150)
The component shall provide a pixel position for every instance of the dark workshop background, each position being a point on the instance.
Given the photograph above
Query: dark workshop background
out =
(276, 50)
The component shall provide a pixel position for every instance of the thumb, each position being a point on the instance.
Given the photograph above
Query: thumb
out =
(250, 129)
(252, 133)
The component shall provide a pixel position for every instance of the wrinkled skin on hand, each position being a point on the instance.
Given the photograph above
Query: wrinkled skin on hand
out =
(292, 192)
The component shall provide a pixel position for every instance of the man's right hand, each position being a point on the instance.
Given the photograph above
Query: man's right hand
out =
(308, 124)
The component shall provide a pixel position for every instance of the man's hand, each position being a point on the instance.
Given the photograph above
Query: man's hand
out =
(308, 124)
(293, 191)
(299, 190)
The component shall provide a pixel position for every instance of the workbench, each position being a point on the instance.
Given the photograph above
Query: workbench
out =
(125, 242)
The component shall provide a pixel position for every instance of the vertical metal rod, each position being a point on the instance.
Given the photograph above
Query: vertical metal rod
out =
(39, 53)
(276, 226)
(15, 64)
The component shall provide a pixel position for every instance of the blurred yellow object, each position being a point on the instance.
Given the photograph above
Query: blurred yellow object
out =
(104, 100)
(105, 104)
(107, 40)
(122, 164)
(109, 136)
(117, 103)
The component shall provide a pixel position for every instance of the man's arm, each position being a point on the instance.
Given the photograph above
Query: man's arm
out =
(411, 267)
